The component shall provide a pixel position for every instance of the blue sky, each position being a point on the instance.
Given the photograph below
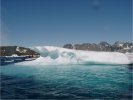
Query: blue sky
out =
(57, 22)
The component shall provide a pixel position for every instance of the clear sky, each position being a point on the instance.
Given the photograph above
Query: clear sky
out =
(57, 22)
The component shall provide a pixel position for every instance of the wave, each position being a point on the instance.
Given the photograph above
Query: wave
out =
(50, 55)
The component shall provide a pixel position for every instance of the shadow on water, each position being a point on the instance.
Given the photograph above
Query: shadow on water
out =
(28, 88)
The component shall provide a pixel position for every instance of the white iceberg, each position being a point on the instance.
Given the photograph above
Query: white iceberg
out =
(50, 55)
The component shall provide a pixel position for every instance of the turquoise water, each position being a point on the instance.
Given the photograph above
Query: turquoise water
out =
(67, 82)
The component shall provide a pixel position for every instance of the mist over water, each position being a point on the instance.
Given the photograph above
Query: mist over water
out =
(67, 82)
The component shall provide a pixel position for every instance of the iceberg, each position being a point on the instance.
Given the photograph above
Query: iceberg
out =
(50, 55)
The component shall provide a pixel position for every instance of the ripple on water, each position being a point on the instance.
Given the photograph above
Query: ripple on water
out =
(66, 82)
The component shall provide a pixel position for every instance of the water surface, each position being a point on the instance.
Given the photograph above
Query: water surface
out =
(67, 82)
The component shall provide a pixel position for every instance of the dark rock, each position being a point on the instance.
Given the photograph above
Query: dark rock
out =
(68, 46)
(103, 46)
(15, 50)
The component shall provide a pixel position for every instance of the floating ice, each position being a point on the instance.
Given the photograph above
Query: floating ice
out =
(58, 56)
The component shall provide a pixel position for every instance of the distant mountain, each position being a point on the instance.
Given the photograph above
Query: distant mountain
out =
(103, 46)
(16, 51)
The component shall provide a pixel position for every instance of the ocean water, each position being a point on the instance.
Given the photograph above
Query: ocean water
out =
(66, 82)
